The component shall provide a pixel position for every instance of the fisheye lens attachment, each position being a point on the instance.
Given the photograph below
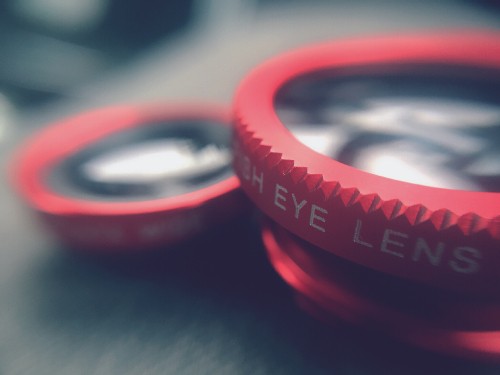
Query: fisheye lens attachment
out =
(327, 137)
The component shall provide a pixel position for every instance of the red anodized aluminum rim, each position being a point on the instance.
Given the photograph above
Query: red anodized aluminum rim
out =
(132, 225)
(327, 300)
(444, 237)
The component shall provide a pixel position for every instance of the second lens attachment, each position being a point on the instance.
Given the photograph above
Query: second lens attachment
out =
(329, 288)
(132, 177)
(382, 151)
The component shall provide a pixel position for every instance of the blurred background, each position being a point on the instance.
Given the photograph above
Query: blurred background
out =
(213, 305)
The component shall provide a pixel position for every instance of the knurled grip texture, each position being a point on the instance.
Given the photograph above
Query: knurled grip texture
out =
(444, 237)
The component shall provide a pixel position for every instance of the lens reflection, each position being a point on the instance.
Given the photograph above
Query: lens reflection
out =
(438, 132)
(152, 161)
(147, 162)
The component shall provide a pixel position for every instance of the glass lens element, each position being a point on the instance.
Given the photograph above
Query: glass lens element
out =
(428, 125)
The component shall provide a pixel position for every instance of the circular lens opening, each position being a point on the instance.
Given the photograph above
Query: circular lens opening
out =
(433, 125)
(146, 162)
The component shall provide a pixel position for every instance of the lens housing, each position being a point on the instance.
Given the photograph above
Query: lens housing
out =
(330, 288)
(439, 236)
(73, 175)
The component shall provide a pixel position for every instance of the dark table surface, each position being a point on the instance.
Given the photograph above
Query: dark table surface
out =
(213, 305)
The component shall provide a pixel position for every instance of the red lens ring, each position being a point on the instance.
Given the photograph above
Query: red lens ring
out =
(327, 300)
(474, 345)
(359, 288)
(120, 225)
(346, 208)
